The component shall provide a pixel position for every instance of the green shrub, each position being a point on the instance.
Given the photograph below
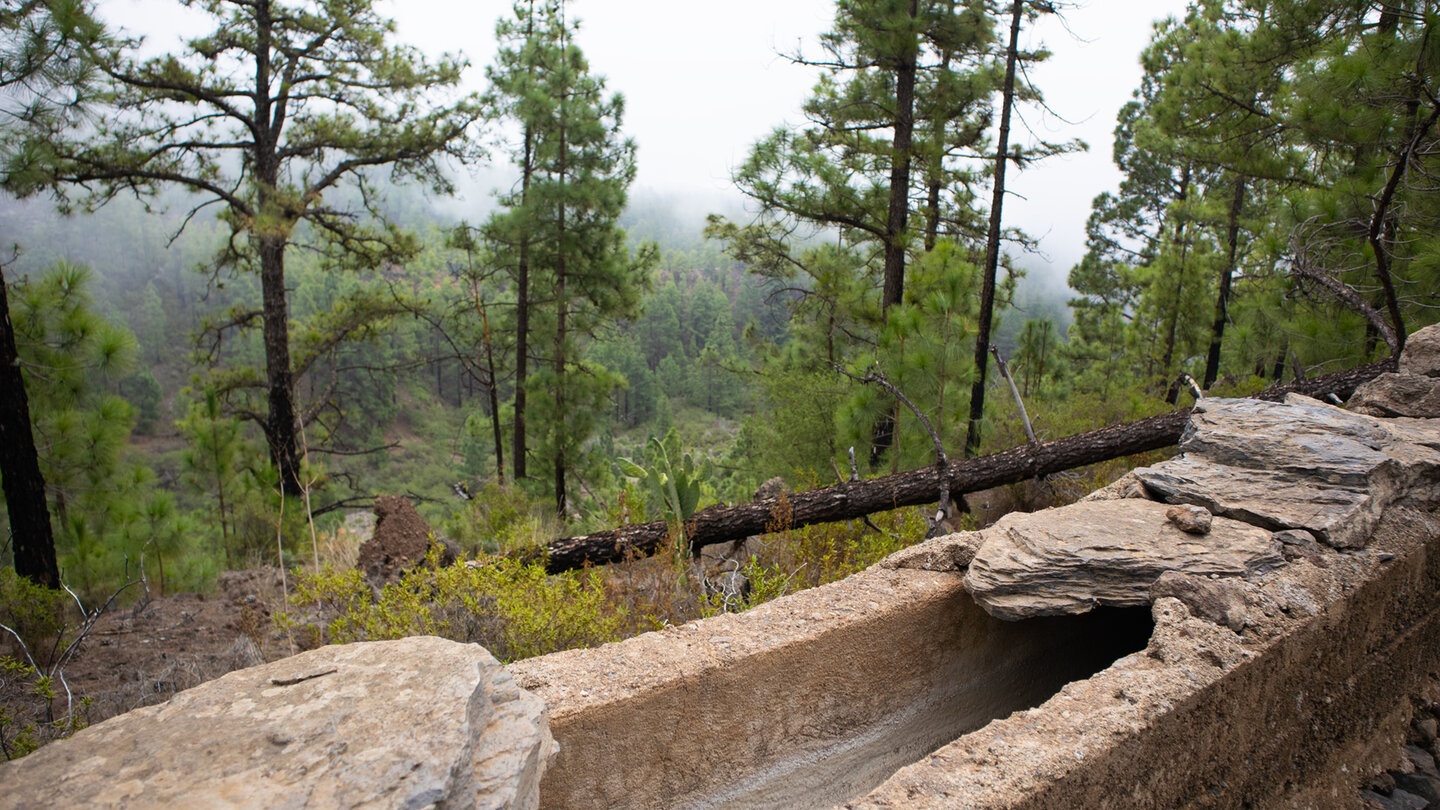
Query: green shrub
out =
(36, 613)
(512, 608)
(27, 719)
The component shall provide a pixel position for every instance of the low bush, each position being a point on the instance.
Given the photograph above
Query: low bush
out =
(512, 608)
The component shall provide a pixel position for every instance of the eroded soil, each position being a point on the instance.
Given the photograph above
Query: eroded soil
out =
(143, 654)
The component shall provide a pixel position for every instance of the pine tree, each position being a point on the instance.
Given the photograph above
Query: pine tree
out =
(43, 81)
(267, 117)
(582, 168)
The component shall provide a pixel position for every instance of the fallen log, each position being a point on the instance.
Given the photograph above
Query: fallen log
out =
(854, 499)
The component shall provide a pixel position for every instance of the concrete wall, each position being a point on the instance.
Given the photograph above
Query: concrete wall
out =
(807, 701)
(1292, 717)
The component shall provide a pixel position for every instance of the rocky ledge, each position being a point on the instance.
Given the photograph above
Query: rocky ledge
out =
(421, 722)
(1276, 480)
(1257, 484)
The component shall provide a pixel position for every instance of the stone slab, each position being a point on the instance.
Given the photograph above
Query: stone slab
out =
(1300, 464)
(421, 722)
(1068, 560)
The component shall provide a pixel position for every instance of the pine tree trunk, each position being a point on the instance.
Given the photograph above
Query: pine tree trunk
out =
(557, 426)
(493, 385)
(30, 531)
(882, 433)
(899, 207)
(992, 239)
(522, 316)
(853, 499)
(1184, 247)
(1222, 301)
(280, 429)
(269, 233)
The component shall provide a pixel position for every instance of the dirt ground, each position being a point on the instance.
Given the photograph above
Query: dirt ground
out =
(143, 654)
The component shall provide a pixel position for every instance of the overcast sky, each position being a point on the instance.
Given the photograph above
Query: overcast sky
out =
(703, 80)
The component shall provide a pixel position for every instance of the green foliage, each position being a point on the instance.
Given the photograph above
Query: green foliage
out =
(37, 630)
(502, 519)
(212, 466)
(674, 481)
(511, 608)
(560, 232)
(36, 614)
(672, 477)
(810, 556)
(142, 391)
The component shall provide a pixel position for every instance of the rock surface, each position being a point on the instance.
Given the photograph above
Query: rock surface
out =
(1069, 560)
(1422, 352)
(1190, 519)
(1398, 395)
(421, 722)
(1300, 464)
(1221, 601)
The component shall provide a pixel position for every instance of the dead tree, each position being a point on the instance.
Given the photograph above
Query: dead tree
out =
(853, 499)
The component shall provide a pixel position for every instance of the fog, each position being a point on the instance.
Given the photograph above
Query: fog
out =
(703, 81)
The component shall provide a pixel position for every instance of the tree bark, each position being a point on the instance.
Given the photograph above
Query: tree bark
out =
(522, 315)
(898, 212)
(853, 499)
(270, 232)
(30, 532)
(1222, 301)
(882, 433)
(992, 238)
(280, 429)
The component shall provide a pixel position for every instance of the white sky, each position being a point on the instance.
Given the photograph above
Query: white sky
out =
(703, 80)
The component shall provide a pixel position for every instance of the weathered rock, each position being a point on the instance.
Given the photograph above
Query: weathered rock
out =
(401, 540)
(1190, 519)
(421, 722)
(773, 488)
(951, 552)
(1421, 759)
(1423, 785)
(1398, 800)
(1427, 728)
(1300, 464)
(1126, 486)
(1422, 352)
(1298, 544)
(1390, 395)
(1221, 601)
(1071, 559)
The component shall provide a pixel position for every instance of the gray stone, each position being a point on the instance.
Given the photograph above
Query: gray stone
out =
(1423, 785)
(1298, 544)
(1190, 519)
(1126, 486)
(773, 488)
(1397, 800)
(951, 552)
(1221, 601)
(1300, 464)
(1427, 728)
(1422, 352)
(1421, 759)
(1398, 395)
(1069, 560)
(421, 722)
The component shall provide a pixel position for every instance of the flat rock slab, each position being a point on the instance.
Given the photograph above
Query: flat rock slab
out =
(417, 723)
(1300, 464)
(1069, 560)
